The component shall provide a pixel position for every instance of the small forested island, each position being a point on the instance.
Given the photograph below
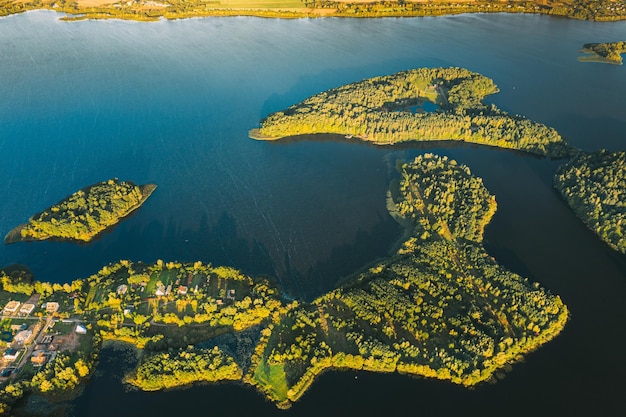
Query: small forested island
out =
(84, 214)
(148, 10)
(440, 307)
(594, 186)
(390, 109)
(610, 52)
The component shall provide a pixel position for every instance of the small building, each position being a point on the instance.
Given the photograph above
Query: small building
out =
(11, 355)
(182, 290)
(122, 289)
(160, 291)
(23, 336)
(38, 358)
(129, 309)
(168, 291)
(52, 307)
(27, 308)
(80, 329)
(11, 308)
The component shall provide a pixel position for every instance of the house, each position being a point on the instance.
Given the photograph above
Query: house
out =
(80, 329)
(182, 290)
(122, 289)
(11, 355)
(11, 308)
(160, 292)
(52, 307)
(38, 358)
(23, 336)
(26, 309)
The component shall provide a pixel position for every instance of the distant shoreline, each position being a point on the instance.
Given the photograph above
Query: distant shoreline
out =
(294, 9)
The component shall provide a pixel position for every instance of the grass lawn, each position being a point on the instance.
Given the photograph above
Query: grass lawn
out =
(273, 377)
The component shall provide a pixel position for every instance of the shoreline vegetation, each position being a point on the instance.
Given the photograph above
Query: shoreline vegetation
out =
(149, 10)
(608, 53)
(594, 186)
(440, 307)
(85, 214)
(390, 109)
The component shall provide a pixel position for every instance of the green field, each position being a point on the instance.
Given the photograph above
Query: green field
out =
(258, 4)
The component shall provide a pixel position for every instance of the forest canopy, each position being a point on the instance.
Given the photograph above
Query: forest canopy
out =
(594, 186)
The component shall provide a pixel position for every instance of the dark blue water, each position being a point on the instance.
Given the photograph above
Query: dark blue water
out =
(171, 103)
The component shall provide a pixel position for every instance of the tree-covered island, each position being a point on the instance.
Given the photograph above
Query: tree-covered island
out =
(594, 186)
(85, 214)
(148, 10)
(440, 307)
(610, 52)
(390, 109)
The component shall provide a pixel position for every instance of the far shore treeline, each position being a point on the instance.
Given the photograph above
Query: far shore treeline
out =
(604, 10)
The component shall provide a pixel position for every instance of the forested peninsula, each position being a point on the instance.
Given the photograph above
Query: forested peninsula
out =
(594, 186)
(84, 214)
(440, 307)
(610, 52)
(149, 10)
(393, 108)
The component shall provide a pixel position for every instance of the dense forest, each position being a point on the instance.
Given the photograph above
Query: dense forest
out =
(594, 186)
(184, 367)
(380, 110)
(598, 10)
(441, 307)
(84, 214)
(610, 52)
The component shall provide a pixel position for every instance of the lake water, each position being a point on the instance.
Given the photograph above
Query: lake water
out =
(172, 102)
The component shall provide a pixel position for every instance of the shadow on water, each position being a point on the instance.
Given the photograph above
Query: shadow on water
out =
(345, 259)
(223, 244)
(428, 145)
